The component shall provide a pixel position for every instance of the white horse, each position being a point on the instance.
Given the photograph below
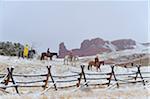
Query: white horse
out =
(70, 59)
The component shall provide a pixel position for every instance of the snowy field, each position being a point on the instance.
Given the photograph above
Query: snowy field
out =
(24, 66)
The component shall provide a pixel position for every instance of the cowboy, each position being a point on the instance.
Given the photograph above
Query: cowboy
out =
(48, 51)
(96, 59)
(49, 54)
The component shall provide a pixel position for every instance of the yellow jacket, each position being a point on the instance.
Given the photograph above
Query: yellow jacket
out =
(25, 52)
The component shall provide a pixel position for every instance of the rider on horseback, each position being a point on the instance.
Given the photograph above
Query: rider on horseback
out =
(48, 52)
(96, 59)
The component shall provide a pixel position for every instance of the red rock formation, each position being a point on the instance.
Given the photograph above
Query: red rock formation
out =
(97, 45)
(62, 50)
(97, 42)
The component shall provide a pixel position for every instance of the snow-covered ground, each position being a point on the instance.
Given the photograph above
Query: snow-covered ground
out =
(88, 93)
(34, 66)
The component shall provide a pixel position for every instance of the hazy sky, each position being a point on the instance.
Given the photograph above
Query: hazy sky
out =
(47, 23)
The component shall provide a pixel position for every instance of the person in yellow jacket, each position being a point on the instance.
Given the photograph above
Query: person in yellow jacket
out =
(26, 51)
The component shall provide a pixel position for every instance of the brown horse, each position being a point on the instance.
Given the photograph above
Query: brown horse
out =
(95, 64)
(45, 55)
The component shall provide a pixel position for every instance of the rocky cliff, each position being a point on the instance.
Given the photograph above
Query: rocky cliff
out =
(97, 45)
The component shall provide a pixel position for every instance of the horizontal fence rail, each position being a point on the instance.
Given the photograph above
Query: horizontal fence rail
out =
(78, 78)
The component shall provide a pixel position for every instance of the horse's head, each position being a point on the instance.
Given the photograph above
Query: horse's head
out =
(34, 51)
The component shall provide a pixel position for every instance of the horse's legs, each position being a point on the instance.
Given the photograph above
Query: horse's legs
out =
(100, 66)
(74, 63)
(91, 67)
(50, 57)
(64, 61)
(41, 58)
(88, 67)
(100, 69)
(97, 68)
(67, 62)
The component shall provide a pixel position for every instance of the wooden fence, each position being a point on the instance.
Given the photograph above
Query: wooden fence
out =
(78, 77)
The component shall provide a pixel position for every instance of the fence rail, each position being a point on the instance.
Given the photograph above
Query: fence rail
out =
(78, 79)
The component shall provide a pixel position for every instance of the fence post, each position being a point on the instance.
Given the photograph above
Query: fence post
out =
(11, 76)
(139, 72)
(80, 74)
(49, 70)
(113, 74)
(82, 68)
(109, 78)
(7, 80)
(79, 79)
(47, 77)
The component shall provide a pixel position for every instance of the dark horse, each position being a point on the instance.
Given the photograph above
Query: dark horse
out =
(46, 55)
(31, 53)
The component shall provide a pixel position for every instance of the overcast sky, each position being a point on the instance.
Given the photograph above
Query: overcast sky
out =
(47, 23)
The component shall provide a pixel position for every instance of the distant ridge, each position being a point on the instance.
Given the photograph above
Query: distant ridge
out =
(99, 45)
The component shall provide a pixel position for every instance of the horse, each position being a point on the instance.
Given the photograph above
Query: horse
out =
(95, 64)
(45, 55)
(31, 53)
(70, 58)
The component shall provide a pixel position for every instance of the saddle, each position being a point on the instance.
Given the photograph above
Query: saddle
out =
(48, 54)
